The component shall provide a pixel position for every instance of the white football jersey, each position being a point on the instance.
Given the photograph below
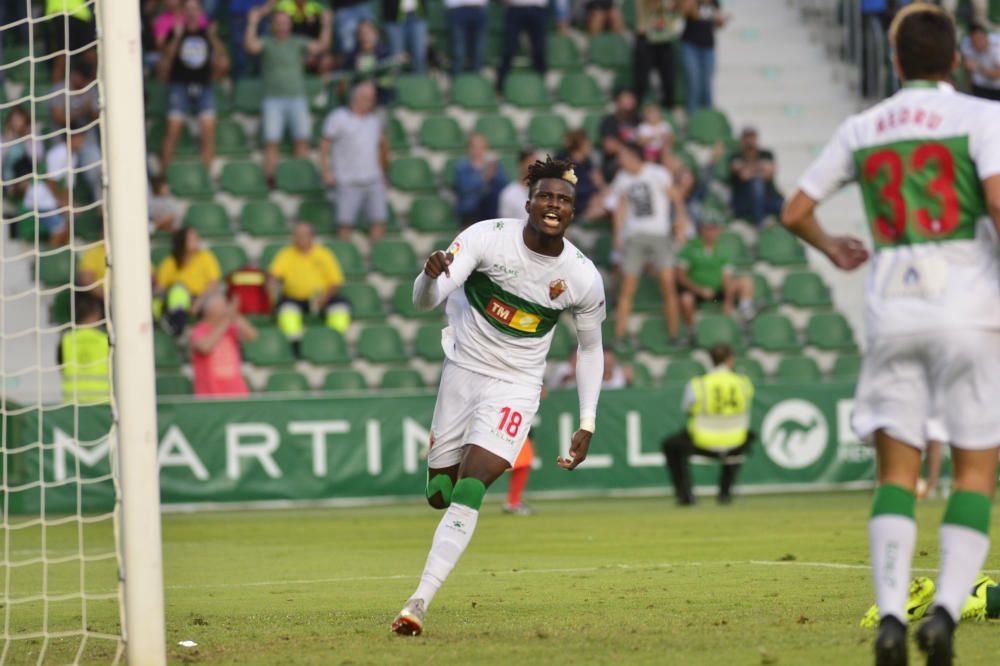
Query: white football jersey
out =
(502, 319)
(920, 158)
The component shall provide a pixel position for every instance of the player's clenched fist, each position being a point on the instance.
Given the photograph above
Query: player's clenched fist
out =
(438, 263)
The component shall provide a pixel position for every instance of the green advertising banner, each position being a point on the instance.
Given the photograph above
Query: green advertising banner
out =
(330, 448)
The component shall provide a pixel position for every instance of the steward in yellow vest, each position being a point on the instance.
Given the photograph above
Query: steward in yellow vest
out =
(83, 357)
(718, 407)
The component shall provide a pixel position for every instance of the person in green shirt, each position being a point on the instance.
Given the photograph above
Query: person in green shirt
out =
(283, 69)
(705, 275)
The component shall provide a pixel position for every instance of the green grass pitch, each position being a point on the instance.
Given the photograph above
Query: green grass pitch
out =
(769, 580)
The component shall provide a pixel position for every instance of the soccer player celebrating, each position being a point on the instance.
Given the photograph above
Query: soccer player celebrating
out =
(928, 163)
(506, 282)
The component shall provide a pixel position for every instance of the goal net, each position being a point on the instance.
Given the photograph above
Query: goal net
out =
(68, 409)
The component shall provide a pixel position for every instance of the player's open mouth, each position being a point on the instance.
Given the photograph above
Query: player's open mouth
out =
(551, 220)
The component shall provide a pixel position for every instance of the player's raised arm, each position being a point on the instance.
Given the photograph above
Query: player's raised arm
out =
(443, 273)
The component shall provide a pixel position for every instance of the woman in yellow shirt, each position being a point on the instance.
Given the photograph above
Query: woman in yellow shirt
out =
(185, 278)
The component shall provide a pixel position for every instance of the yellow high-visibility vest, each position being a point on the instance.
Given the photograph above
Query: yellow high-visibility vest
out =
(76, 8)
(85, 366)
(720, 415)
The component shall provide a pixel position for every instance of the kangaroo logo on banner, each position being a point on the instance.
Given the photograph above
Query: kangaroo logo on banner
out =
(795, 433)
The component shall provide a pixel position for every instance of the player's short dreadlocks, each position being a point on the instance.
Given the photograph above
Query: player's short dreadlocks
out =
(550, 168)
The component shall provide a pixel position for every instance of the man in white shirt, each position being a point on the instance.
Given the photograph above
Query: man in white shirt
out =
(515, 193)
(981, 57)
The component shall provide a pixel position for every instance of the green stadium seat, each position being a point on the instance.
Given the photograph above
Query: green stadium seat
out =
(209, 218)
(173, 385)
(287, 381)
(269, 349)
(419, 93)
(269, 252)
(395, 258)
(299, 177)
(546, 131)
(801, 369)
(773, 332)
(682, 370)
(751, 367)
(600, 253)
(592, 125)
(830, 331)
(59, 309)
(732, 245)
(317, 212)
(713, 328)
(846, 367)
(248, 95)
(805, 289)
(230, 257)
(223, 100)
(344, 381)
(427, 343)
(402, 378)
(762, 296)
(654, 339)
(641, 376)
(432, 214)
(709, 126)
(411, 174)
(580, 91)
(56, 269)
(189, 180)
(366, 305)
(185, 146)
(263, 218)
(396, 134)
(778, 247)
(165, 353)
(402, 303)
(158, 253)
(230, 139)
(647, 296)
(526, 90)
(243, 179)
(324, 346)
(499, 132)
(349, 258)
(380, 343)
(610, 50)
(563, 343)
(156, 97)
(561, 52)
(474, 92)
(441, 133)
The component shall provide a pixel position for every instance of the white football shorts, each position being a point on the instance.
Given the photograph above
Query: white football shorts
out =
(951, 376)
(475, 409)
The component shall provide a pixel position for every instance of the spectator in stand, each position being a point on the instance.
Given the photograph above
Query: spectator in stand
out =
(308, 18)
(18, 142)
(645, 231)
(405, 23)
(285, 104)
(347, 14)
(616, 375)
(981, 57)
(702, 18)
(751, 179)
(215, 345)
(239, 14)
(590, 184)
(527, 16)
(479, 178)
(71, 28)
(515, 195)
(188, 275)
(92, 269)
(705, 275)
(980, 10)
(192, 57)
(83, 356)
(164, 210)
(171, 17)
(64, 161)
(79, 107)
(617, 127)
(373, 59)
(305, 278)
(353, 154)
(37, 206)
(467, 26)
(654, 133)
(657, 27)
(604, 15)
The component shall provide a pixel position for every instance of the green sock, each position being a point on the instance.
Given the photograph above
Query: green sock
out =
(439, 483)
(993, 601)
(893, 499)
(469, 492)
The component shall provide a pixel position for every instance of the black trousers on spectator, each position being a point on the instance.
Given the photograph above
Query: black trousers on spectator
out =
(986, 93)
(532, 20)
(659, 56)
(679, 448)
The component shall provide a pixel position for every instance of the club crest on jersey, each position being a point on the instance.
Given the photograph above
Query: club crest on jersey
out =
(511, 316)
(557, 288)
(455, 248)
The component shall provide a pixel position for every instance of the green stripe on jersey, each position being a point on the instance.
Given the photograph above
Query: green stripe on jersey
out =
(507, 312)
(920, 191)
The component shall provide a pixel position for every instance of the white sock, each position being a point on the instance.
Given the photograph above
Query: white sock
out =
(450, 539)
(963, 552)
(892, 538)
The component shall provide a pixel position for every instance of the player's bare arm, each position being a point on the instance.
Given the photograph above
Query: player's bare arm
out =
(798, 216)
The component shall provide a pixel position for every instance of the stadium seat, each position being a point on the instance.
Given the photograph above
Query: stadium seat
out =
(592, 125)
(830, 331)
(682, 370)
(641, 376)
(298, 177)
(269, 349)
(230, 139)
(189, 180)
(56, 269)
(395, 258)
(411, 174)
(165, 353)
(344, 380)
(402, 378)
(499, 132)
(402, 303)
(380, 343)
(209, 218)
(248, 95)
(805, 289)
(230, 257)
(263, 218)
(243, 179)
(773, 332)
(474, 92)
(173, 385)
(317, 212)
(526, 90)
(396, 134)
(156, 97)
(366, 305)
(610, 50)
(709, 126)
(580, 91)
(654, 339)
(563, 343)
(846, 367)
(348, 257)
(431, 214)
(561, 52)
(427, 343)
(751, 367)
(59, 309)
(419, 93)
(778, 247)
(546, 131)
(732, 245)
(287, 381)
(441, 133)
(762, 296)
(184, 147)
(324, 346)
(713, 328)
(647, 296)
(268, 253)
(600, 253)
(801, 369)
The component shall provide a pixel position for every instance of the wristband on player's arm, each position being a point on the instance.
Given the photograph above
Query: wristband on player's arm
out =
(588, 424)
